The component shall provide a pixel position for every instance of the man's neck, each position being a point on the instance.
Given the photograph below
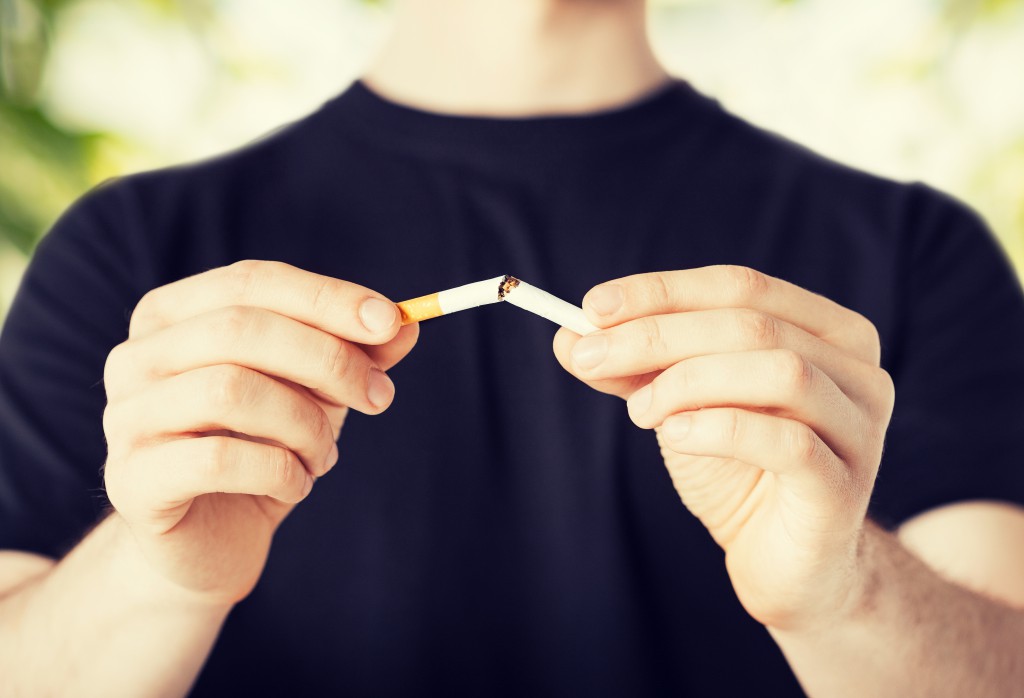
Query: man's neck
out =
(516, 57)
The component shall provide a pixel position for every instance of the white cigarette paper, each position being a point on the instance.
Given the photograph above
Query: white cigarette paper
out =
(451, 301)
(553, 308)
(500, 288)
(470, 296)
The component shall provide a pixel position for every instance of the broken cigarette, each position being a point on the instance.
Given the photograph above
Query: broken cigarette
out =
(527, 297)
(501, 288)
(450, 301)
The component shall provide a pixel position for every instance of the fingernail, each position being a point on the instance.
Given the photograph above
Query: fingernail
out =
(377, 315)
(677, 427)
(605, 299)
(332, 458)
(590, 351)
(640, 401)
(379, 388)
(308, 487)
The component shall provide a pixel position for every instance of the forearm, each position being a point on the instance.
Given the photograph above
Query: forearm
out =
(909, 633)
(102, 623)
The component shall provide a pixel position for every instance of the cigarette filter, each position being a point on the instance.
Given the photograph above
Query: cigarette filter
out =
(451, 301)
(501, 288)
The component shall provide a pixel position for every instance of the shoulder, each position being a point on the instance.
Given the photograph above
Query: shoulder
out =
(822, 187)
(181, 219)
(263, 164)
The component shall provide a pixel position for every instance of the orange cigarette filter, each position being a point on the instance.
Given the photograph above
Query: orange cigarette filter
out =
(422, 308)
(451, 300)
(501, 288)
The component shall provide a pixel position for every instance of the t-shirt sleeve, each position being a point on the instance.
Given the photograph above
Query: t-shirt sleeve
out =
(957, 431)
(71, 308)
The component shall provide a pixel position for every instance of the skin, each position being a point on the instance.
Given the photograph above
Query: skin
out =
(150, 573)
(195, 515)
(770, 408)
(516, 57)
(754, 389)
(224, 405)
(301, 349)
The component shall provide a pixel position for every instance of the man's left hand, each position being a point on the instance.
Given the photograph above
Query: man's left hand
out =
(770, 409)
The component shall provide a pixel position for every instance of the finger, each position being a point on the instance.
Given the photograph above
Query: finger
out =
(706, 288)
(226, 397)
(338, 307)
(337, 370)
(779, 380)
(333, 411)
(786, 447)
(390, 353)
(620, 386)
(170, 475)
(655, 342)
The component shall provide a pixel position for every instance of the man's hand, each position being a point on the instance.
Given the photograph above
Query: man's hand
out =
(225, 404)
(770, 409)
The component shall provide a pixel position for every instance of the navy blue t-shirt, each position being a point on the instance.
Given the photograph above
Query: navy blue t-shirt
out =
(503, 529)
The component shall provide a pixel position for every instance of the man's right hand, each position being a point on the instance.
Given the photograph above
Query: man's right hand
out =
(224, 405)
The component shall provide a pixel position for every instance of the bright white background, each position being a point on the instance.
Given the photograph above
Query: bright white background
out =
(911, 89)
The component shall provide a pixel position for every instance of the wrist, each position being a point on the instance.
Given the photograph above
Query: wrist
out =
(851, 588)
(142, 580)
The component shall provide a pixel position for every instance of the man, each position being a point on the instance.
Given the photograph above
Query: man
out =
(504, 529)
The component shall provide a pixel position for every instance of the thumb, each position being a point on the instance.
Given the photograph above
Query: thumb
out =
(623, 387)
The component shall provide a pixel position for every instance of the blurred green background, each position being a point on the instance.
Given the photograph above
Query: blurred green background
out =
(928, 90)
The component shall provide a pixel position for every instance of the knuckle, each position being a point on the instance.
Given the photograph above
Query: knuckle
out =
(794, 372)
(804, 444)
(322, 295)
(115, 357)
(233, 322)
(114, 365)
(227, 385)
(213, 458)
(244, 275)
(121, 429)
(869, 338)
(320, 427)
(734, 427)
(244, 269)
(888, 385)
(282, 467)
(885, 389)
(658, 290)
(146, 309)
(748, 285)
(867, 329)
(730, 427)
(683, 378)
(309, 420)
(336, 358)
(111, 422)
(761, 329)
(651, 337)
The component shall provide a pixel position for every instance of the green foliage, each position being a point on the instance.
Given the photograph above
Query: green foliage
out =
(44, 165)
(44, 168)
